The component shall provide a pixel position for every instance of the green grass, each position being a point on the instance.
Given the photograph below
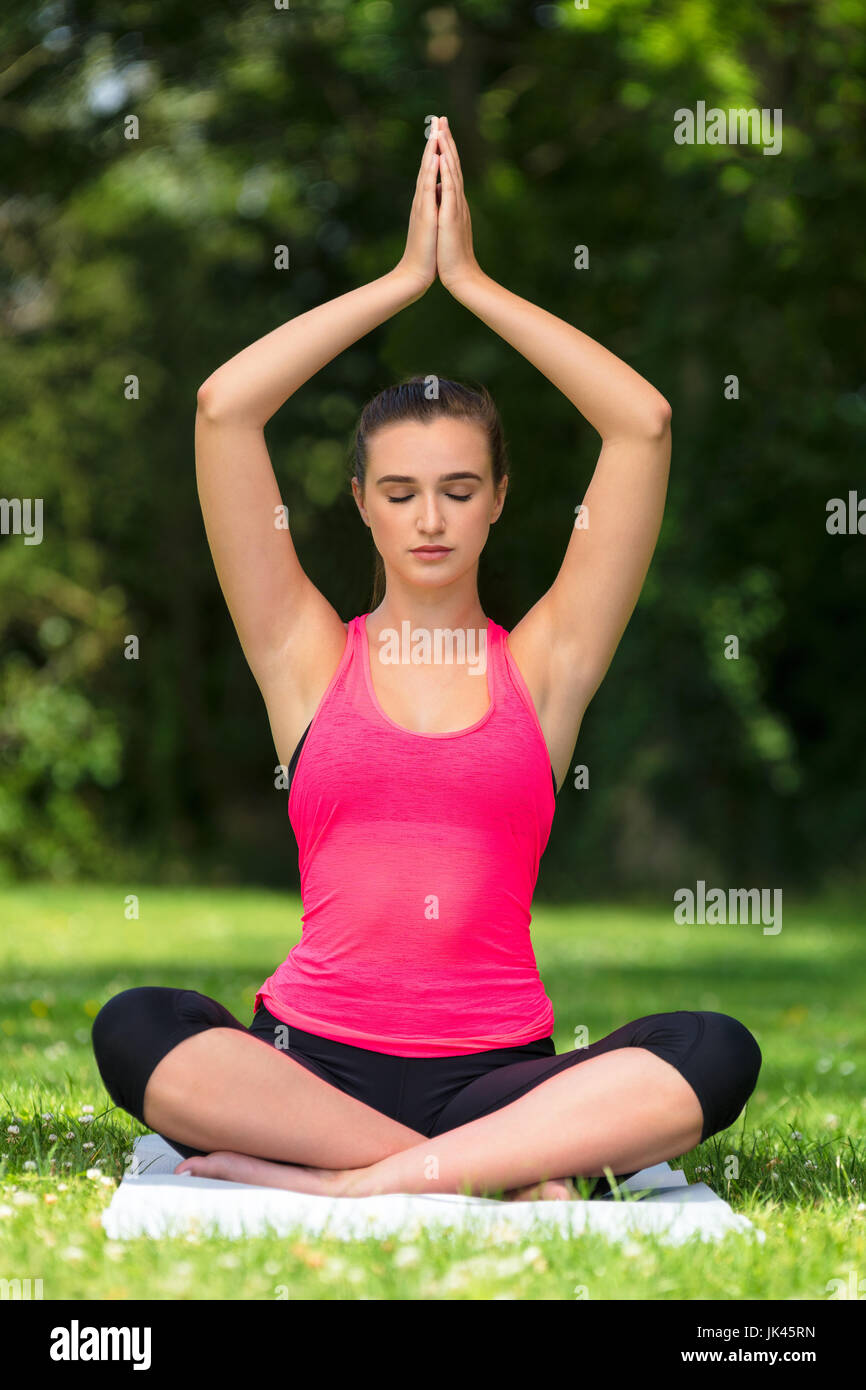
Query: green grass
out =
(797, 1150)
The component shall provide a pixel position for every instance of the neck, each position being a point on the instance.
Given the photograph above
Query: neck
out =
(458, 616)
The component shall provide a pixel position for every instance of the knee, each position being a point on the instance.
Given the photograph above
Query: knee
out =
(121, 1037)
(134, 1015)
(116, 1020)
(129, 1022)
(742, 1053)
(134, 1029)
(734, 1058)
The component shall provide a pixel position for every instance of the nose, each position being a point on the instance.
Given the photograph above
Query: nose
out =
(431, 522)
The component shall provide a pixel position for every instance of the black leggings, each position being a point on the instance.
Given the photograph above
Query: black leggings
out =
(135, 1029)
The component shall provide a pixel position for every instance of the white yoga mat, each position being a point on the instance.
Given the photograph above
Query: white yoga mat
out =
(153, 1201)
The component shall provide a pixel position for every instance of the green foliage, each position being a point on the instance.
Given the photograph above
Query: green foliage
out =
(153, 258)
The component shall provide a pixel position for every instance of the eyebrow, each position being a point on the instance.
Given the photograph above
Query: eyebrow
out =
(444, 478)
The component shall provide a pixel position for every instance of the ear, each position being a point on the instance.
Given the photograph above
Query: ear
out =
(359, 500)
(500, 498)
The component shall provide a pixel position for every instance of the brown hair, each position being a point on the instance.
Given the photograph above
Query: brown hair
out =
(409, 400)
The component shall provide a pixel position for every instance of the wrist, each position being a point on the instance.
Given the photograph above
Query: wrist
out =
(460, 284)
(413, 282)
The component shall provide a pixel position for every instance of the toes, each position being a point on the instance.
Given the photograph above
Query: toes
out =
(201, 1166)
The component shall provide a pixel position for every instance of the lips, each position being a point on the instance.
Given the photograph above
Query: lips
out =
(431, 550)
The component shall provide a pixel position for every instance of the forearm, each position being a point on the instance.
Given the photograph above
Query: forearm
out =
(617, 401)
(252, 386)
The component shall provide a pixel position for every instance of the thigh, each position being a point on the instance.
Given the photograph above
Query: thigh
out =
(135, 1029)
(376, 1078)
(138, 1027)
(714, 1052)
(429, 1084)
(670, 1035)
(344, 1118)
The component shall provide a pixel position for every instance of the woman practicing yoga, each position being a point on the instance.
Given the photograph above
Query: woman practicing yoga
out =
(405, 1044)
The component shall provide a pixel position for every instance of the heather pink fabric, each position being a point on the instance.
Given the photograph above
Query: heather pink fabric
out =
(419, 856)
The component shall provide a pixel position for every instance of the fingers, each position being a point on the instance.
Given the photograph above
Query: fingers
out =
(452, 192)
(430, 150)
(433, 157)
(447, 145)
(446, 192)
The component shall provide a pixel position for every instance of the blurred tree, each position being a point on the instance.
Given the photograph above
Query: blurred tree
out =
(155, 158)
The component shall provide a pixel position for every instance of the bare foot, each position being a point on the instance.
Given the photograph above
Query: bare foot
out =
(327, 1182)
(261, 1172)
(555, 1190)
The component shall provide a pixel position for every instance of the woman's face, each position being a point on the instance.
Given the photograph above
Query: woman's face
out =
(429, 485)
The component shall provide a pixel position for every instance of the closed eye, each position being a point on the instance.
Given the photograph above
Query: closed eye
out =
(454, 498)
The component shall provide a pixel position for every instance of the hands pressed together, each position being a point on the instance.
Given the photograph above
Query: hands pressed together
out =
(439, 240)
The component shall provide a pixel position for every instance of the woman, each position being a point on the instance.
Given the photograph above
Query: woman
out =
(414, 1028)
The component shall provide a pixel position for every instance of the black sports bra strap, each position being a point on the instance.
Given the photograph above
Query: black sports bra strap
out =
(293, 762)
(297, 753)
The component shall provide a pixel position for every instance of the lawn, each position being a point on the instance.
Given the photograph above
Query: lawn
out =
(793, 1162)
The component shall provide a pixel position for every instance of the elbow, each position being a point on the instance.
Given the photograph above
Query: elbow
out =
(205, 401)
(213, 405)
(660, 422)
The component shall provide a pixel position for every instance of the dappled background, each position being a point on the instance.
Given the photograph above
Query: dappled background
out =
(303, 127)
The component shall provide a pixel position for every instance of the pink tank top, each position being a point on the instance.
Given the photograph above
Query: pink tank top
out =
(419, 855)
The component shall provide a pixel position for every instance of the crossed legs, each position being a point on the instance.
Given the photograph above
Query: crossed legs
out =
(225, 1091)
(624, 1110)
(184, 1065)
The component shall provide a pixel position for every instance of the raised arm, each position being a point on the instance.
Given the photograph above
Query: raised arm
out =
(274, 606)
(568, 639)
